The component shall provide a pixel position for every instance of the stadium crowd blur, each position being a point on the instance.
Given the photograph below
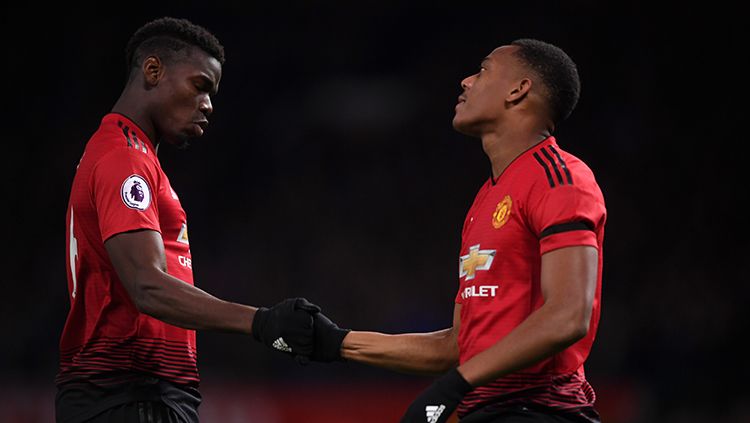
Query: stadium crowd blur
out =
(331, 171)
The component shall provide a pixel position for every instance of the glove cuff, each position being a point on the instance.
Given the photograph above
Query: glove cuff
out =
(259, 321)
(340, 334)
(453, 381)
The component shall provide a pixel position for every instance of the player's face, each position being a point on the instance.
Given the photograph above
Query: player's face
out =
(481, 105)
(185, 97)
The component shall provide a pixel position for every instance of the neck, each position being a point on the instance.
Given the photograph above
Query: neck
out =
(503, 146)
(134, 110)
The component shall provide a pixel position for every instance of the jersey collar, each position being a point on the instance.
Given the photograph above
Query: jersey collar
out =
(547, 141)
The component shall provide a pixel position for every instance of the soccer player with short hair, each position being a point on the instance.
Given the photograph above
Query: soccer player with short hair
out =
(529, 268)
(128, 351)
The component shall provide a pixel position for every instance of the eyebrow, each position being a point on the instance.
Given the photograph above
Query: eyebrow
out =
(486, 59)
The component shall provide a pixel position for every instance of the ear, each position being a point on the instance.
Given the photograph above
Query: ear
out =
(519, 91)
(153, 70)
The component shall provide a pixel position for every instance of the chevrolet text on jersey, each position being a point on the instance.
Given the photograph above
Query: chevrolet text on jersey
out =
(479, 291)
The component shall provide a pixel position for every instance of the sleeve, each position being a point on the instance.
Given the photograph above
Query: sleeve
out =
(124, 184)
(566, 216)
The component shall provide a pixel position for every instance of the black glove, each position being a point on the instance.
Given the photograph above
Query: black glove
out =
(436, 403)
(287, 326)
(328, 339)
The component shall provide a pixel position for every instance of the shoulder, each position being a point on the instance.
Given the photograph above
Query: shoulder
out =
(562, 189)
(551, 168)
(117, 135)
(114, 141)
(117, 163)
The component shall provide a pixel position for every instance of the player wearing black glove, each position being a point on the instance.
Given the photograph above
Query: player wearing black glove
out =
(328, 339)
(436, 403)
(287, 326)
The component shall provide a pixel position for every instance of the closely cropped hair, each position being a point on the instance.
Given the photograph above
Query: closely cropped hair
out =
(168, 37)
(557, 71)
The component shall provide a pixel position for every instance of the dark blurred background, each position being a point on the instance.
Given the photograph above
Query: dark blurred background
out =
(331, 171)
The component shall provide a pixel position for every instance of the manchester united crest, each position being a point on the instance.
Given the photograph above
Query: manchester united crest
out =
(502, 212)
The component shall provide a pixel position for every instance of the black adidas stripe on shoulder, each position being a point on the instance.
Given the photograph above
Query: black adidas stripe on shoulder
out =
(562, 164)
(546, 169)
(132, 138)
(553, 160)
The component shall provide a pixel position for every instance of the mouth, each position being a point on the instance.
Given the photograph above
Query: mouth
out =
(200, 126)
(461, 100)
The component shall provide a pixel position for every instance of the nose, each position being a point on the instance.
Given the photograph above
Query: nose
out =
(467, 82)
(205, 106)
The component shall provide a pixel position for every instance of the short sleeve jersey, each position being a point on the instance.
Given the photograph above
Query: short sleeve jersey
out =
(545, 199)
(119, 187)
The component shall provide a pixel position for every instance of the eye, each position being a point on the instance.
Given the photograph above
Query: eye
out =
(202, 85)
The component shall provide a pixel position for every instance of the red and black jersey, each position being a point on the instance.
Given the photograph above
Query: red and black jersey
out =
(544, 200)
(119, 186)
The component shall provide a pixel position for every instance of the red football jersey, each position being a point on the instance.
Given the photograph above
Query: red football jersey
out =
(544, 200)
(119, 187)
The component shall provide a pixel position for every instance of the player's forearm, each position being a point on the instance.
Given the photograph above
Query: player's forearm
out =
(180, 304)
(544, 333)
(421, 353)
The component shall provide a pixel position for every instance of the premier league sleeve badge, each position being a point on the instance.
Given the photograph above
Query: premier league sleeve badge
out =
(135, 193)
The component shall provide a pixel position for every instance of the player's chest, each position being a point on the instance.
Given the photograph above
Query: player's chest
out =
(496, 237)
(171, 214)
(175, 234)
(497, 216)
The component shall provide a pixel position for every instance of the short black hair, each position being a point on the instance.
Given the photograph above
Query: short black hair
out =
(167, 37)
(558, 73)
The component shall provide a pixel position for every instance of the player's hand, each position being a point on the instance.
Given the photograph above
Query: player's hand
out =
(328, 339)
(287, 326)
(436, 403)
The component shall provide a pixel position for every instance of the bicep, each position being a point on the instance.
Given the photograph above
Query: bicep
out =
(568, 276)
(136, 252)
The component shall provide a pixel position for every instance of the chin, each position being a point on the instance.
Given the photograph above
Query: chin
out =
(183, 144)
(181, 141)
(463, 127)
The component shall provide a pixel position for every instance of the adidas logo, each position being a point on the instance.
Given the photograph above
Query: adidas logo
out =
(280, 345)
(434, 412)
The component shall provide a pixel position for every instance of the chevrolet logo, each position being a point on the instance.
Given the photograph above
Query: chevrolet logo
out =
(183, 236)
(476, 260)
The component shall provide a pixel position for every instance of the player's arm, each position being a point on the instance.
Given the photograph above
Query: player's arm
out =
(422, 353)
(568, 282)
(139, 260)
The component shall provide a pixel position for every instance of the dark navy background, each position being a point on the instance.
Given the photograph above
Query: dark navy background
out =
(331, 171)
